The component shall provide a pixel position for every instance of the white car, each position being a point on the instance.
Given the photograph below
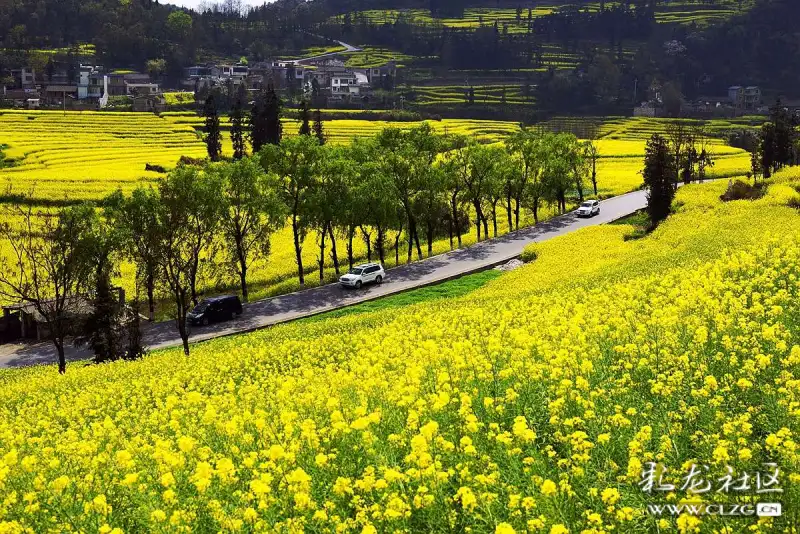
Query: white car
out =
(589, 208)
(363, 274)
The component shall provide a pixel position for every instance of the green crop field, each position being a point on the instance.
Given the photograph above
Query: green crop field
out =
(680, 12)
(483, 94)
(370, 56)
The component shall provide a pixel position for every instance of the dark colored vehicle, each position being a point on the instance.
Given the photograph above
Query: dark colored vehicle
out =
(215, 309)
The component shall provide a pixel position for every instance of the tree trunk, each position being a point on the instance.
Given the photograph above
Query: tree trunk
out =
(416, 240)
(494, 218)
(450, 232)
(368, 240)
(380, 242)
(193, 280)
(508, 212)
(397, 249)
(351, 233)
(429, 237)
(517, 204)
(456, 220)
(535, 212)
(181, 320)
(243, 280)
(594, 176)
(485, 225)
(410, 232)
(184, 336)
(151, 289)
(62, 360)
(298, 250)
(334, 253)
(321, 260)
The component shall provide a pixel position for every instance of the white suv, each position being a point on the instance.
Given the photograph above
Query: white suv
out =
(588, 209)
(362, 274)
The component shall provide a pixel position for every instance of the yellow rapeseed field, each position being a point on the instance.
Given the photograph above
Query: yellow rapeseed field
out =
(530, 405)
(87, 155)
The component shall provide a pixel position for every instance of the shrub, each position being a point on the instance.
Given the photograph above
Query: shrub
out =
(740, 190)
(155, 168)
(530, 253)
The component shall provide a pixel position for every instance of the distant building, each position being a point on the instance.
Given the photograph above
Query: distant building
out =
(152, 103)
(736, 96)
(377, 75)
(142, 89)
(24, 78)
(745, 98)
(21, 98)
(646, 109)
(237, 71)
(60, 94)
(752, 97)
(90, 82)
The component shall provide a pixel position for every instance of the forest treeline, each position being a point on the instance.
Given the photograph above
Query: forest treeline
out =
(620, 49)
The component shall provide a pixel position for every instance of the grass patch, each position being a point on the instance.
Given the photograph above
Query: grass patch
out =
(450, 289)
(637, 218)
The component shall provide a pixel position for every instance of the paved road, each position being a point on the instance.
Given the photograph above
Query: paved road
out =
(313, 301)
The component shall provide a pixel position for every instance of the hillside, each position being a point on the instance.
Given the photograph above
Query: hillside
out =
(532, 403)
(518, 60)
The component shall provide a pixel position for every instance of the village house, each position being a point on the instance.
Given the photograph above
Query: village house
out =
(24, 322)
(745, 99)
(20, 98)
(152, 103)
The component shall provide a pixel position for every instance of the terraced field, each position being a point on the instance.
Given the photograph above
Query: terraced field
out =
(517, 22)
(344, 130)
(483, 94)
(106, 151)
(473, 17)
(371, 56)
(85, 155)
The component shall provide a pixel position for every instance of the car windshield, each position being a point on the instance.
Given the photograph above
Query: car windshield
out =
(586, 205)
(200, 308)
(356, 271)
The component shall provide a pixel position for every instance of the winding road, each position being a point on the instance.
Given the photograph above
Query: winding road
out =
(436, 269)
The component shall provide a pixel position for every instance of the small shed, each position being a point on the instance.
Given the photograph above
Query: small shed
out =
(24, 321)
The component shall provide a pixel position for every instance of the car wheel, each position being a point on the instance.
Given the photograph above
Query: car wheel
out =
(379, 279)
(358, 284)
(205, 321)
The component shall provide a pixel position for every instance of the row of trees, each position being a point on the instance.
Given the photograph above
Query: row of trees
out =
(205, 225)
(59, 265)
(776, 145)
(259, 125)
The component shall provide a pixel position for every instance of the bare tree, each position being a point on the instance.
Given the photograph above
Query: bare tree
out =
(678, 135)
(47, 265)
